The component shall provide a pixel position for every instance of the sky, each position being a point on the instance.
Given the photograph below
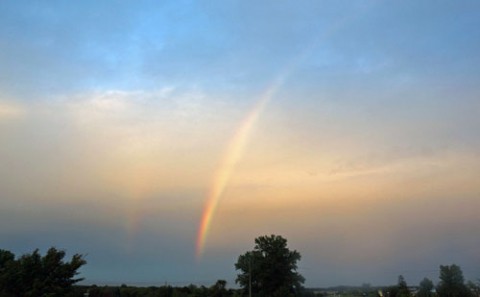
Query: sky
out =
(160, 138)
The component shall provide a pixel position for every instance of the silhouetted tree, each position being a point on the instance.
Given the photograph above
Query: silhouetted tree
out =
(474, 288)
(403, 290)
(271, 267)
(452, 282)
(426, 287)
(32, 275)
(219, 289)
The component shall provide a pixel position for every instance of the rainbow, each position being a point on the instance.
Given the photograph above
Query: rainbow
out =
(227, 165)
(237, 144)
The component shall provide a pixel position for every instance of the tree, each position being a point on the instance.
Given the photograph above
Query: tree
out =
(452, 282)
(425, 288)
(219, 289)
(270, 268)
(403, 290)
(474, 288)
(32, 275)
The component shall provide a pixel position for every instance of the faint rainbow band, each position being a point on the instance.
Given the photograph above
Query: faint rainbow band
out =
(232, 155)
(237, 144)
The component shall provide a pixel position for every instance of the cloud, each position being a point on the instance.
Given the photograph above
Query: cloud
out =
(112, 147)
(11, 111)
(111, 126)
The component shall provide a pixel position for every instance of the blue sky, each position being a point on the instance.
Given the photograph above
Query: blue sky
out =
(115, 115)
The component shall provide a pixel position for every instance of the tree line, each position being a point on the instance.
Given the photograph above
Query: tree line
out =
(269, 270)
(452, 284)
(33, 275)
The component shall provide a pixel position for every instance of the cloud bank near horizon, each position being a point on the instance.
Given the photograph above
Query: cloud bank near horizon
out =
(112, 126)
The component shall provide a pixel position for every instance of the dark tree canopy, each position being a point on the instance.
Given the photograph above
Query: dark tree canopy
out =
(452, 283)
(403, 290)
(273, 268)
(474, 288)
(32, 275)
(425, 288)
(219, 289)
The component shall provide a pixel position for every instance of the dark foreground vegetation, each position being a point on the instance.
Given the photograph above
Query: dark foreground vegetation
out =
(269, 270)
(33, 275)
